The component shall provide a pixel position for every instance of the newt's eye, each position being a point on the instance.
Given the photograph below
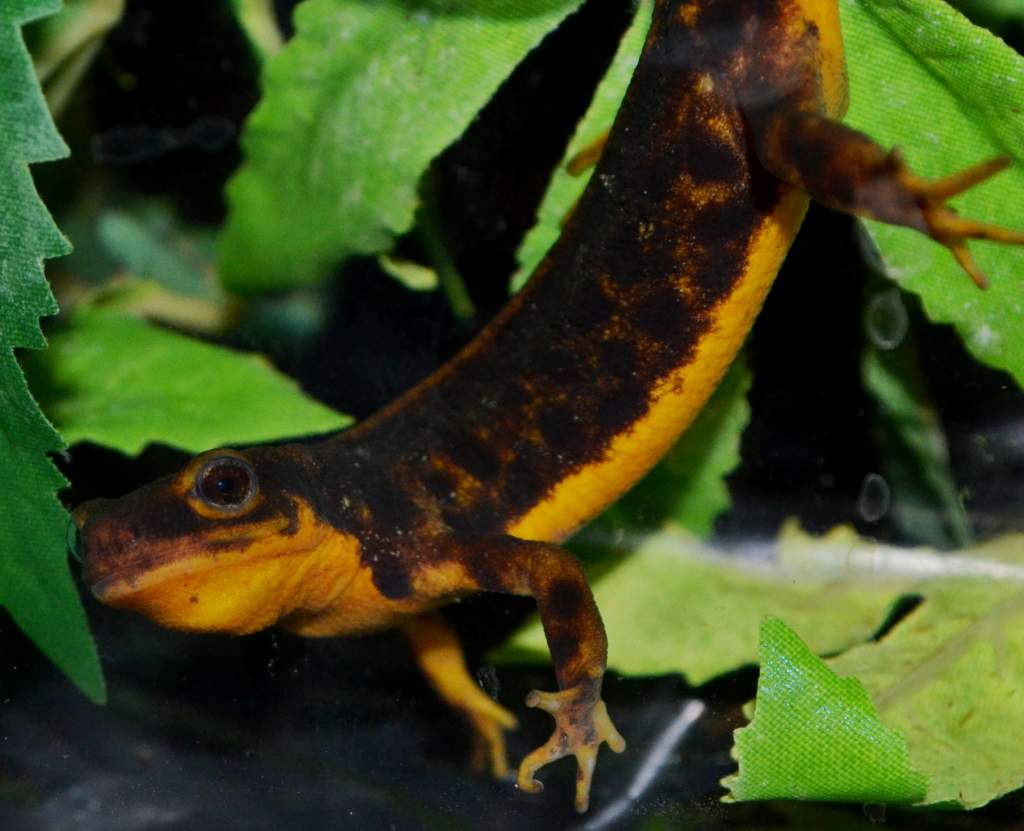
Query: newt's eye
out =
(228, 483)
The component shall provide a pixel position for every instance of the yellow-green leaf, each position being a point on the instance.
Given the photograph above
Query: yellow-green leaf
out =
(357, 104)
(118, 381)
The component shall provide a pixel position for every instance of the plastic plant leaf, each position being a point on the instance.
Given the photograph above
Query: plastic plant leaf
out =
(688, 485)
(816, 735)
(565, 189)
(949, 94)
(950, 677)
(907, 431)
(947, 679)
(356, 106)
(670, 604)
(118, 381)
(35, 584)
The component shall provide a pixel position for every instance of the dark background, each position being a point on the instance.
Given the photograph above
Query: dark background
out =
(272, 731)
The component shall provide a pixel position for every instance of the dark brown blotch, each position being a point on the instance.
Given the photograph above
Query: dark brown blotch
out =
(565, 600)
(563, 644)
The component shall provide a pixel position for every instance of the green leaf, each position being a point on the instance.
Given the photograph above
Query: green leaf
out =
(117, 381)
(950, 94)
(412, 275)
(259, 23)
(148, 242)
(950, 677)
(688, 485)
(907, 430)
(356, 107)
(35, 585)
(816, 735)
(673, 605)
(947, 680)
(565, 189)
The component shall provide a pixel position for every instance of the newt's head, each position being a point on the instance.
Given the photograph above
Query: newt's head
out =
(222, 545)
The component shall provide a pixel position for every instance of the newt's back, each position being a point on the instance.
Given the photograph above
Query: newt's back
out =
(591, 373)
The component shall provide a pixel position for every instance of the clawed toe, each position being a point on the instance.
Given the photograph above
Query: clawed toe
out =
(947, 227)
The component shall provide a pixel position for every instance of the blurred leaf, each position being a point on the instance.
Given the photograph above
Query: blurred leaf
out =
(995, 14)
(907, 431)
(356, 107)
(259, 23)
(816, 735)
(949, 94)
(565, 189)
(670, 604)
(64, 45)
(412, 275)
(117, 381)
(688, 485)
(35, 585)
(148, 243)
(149, 300)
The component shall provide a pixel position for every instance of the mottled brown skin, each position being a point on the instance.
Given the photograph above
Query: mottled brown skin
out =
(726, 127)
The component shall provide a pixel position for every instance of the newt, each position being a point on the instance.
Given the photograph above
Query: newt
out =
(469, 481)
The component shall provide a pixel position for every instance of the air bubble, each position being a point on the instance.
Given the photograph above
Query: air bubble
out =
(887, 320)
(875, 498)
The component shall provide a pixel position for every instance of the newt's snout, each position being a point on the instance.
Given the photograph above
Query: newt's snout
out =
(87, 537)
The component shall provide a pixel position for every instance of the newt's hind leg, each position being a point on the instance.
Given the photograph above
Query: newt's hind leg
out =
(440, 657)
(845, 169)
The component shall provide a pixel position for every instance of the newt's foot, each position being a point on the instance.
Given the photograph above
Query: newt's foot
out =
(581, 725)
(489, 721)
(942, 223)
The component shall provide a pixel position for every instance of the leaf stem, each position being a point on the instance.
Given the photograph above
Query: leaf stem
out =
(432, 238)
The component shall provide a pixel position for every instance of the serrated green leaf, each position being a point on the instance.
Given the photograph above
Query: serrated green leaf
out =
(35, 585)
(950, 677)
(949, 94)
(947, 680)
(356, 107)
(565, 189)
(670, 604)
(117, 381)
(816, 735)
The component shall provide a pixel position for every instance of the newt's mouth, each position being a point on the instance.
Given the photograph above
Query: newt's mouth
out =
(121, 564)
(118, 559)
(111, 574)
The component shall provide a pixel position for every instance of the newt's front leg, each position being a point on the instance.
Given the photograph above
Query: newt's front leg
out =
(575, 638)
(847, 170)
